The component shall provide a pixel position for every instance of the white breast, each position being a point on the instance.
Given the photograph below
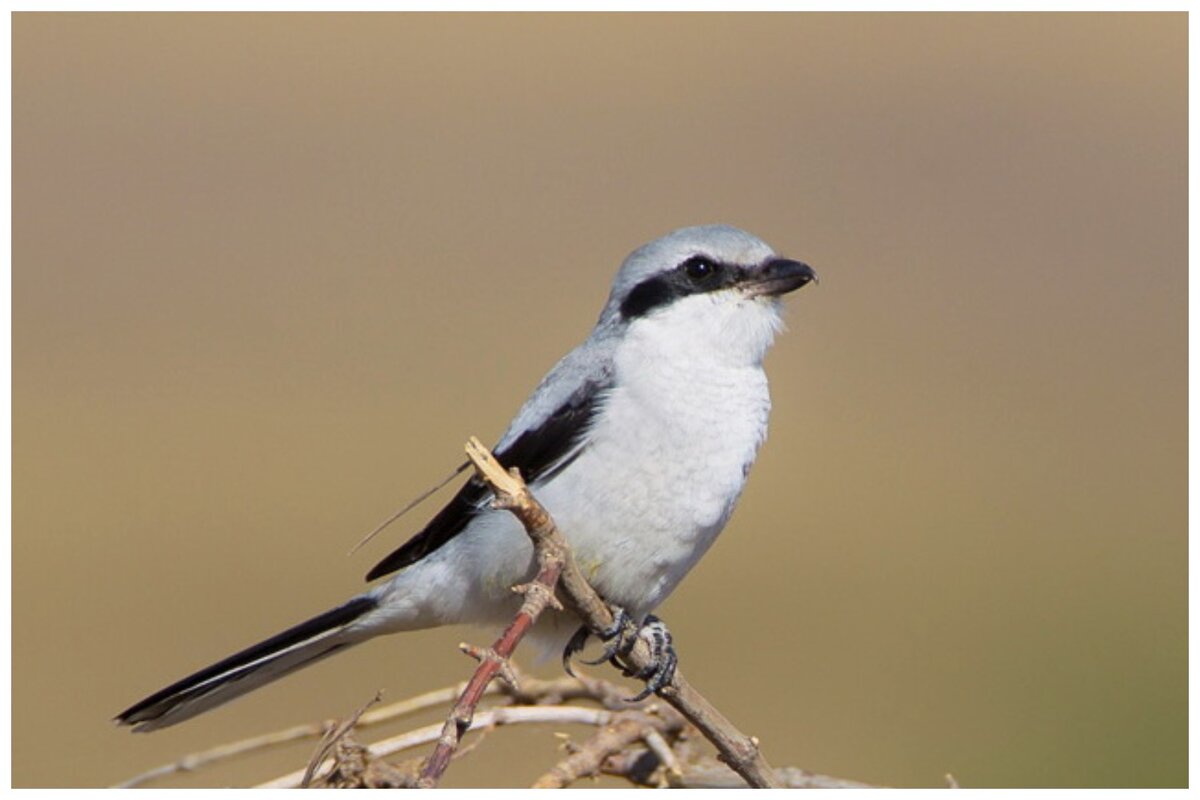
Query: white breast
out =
(668, 457)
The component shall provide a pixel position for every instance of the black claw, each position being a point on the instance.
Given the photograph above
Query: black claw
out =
(574, 645)
(618, 638)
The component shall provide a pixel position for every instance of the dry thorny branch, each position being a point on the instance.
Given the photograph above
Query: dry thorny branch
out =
(627, 741)
(646, 743)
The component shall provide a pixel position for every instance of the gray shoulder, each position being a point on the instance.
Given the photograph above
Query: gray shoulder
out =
(579, 380)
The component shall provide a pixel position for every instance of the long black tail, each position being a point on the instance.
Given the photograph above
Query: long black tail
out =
(297, 647)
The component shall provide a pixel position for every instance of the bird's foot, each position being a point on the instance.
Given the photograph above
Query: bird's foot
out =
(620, 638)
(617, 638)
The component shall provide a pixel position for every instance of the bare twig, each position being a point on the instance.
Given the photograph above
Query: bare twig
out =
(194, 761)
(541, 702)
(509, 715)
(639, 766)
(672, 769)
(625, 728)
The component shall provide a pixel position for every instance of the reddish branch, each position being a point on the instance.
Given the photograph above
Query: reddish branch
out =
(511, 494)
(646, 743)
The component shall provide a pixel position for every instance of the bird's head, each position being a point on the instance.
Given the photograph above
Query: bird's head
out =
(711, 286)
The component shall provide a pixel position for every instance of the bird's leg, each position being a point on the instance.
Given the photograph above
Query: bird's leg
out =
(617, 638)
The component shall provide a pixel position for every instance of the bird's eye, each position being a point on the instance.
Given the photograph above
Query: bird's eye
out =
(699, 268)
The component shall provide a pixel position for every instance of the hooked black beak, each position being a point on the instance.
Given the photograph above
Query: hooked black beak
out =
(780, 276)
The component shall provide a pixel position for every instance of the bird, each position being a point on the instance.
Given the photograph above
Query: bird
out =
(638, 442)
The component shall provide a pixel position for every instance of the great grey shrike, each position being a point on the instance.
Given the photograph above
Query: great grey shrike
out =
(638, 442)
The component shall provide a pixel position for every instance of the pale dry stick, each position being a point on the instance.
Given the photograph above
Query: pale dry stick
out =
(504, 715)
(194, 761)
(311, 730)
(739, 751)
(709, 773)
(586, 759)
(422, 702)
(672, 768)
(512, 495)
(530, 690)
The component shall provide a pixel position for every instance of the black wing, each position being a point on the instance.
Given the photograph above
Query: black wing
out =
(539, 453)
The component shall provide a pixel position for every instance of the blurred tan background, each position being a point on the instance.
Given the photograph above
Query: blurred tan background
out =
(263, 262)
